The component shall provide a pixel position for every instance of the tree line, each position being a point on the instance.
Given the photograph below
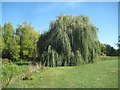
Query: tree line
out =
(107, 50)
(70, 40)
(19, 43)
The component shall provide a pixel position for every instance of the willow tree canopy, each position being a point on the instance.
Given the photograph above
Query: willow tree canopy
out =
(71, 40)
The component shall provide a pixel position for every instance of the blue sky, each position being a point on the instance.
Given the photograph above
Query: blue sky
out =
(104, 15)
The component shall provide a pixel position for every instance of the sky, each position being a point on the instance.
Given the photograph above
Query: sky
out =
(104, 15)
(60, 0)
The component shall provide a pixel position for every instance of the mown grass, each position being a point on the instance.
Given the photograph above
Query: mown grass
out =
(103, 74)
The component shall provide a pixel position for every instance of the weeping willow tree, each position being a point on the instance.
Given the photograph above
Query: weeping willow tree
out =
(70, 40)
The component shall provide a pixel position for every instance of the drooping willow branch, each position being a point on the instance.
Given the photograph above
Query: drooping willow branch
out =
(71, 40)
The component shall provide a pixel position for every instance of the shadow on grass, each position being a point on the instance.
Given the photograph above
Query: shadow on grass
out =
(23, 63)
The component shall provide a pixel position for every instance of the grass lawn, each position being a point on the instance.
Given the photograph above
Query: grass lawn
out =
(103, 74)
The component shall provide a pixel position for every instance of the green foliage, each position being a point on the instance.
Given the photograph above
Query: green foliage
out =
(9, 71)
(108, 50)
(1, 41)
(10, 45)
(102, 48)
(27, 40)
(72, 38)
(20, 43)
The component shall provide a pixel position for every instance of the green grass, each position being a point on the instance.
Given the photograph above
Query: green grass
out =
(13, 70)
(103, 74)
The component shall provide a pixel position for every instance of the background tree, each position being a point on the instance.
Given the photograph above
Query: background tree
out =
(27, 40)
(103, 49)
(108, 50)
(1, 42)
(118, 51)
(11, 47)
